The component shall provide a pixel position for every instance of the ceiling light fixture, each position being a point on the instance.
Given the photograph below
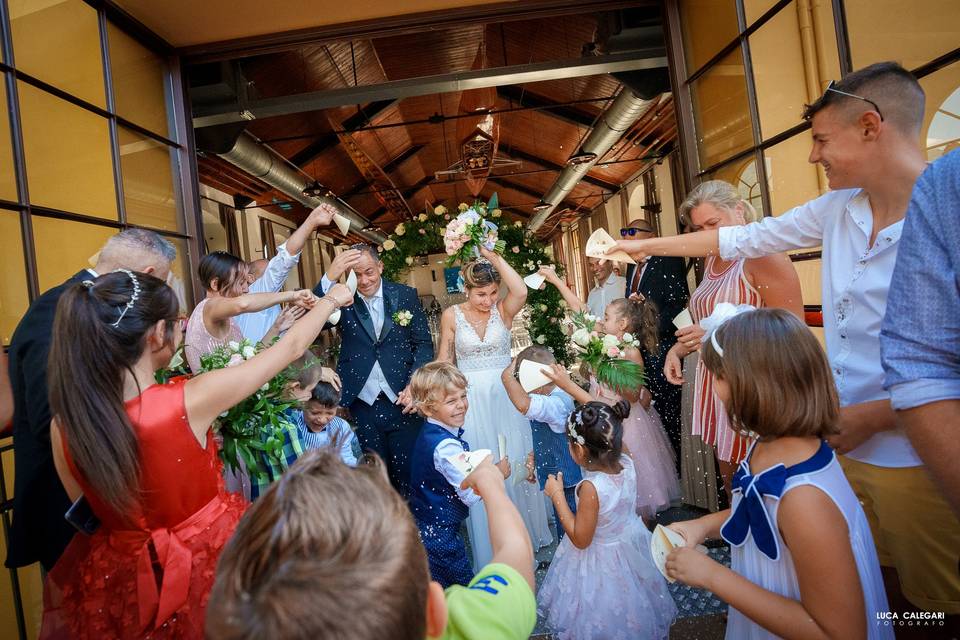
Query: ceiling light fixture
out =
(584, 157)
(316, 190)
(541, 206)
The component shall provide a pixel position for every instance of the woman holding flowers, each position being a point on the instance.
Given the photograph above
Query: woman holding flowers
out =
(626, 325)
(140, 454)
(476, 336)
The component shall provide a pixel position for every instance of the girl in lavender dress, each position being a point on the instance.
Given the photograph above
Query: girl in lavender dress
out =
(602, 582)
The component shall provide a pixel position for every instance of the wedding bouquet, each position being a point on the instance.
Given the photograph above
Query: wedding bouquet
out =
(604, 353)
(256, 423)
(469, 231)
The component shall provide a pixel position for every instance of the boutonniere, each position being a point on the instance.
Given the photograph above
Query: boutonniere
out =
(402, 317)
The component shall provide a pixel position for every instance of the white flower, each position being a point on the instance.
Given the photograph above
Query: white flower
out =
(400, 229)
(518, 224)
(235, 359)
(422, 217)
(463, 206)
(176, 361)
(581, 337)
(402, 317)
(540, 339)
(265, 387)
(249, 352)
(409, 260)
(613, 351)
(610, 340)
(440, 210)
(589, 317)
(389, 244)
(496, 213)
(628, 337)
(234, 346)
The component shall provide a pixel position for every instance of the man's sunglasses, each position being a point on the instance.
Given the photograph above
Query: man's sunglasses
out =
(632, 231)
(830, 87)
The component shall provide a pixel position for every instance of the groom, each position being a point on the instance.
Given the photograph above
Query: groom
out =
(377, 357)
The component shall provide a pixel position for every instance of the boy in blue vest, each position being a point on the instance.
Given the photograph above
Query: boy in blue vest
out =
(438, 503)
(548, 407)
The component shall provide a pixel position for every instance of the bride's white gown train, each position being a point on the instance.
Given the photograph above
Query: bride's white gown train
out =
(491, 413)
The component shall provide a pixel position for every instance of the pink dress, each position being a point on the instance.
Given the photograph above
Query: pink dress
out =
(710, 420)
(198, 341)
(647, 445)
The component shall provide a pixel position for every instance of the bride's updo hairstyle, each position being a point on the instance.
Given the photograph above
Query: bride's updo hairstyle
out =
(598, 427)
(478, 274)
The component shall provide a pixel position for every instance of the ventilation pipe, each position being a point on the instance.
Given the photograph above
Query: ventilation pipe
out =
(625, 110)
(262, 162)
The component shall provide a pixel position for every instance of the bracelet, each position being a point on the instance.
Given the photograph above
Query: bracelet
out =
(335, 304)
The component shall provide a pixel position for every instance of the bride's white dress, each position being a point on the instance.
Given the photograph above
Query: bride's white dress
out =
(491, 413)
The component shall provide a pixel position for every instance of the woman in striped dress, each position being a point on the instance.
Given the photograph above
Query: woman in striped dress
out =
(770, 281)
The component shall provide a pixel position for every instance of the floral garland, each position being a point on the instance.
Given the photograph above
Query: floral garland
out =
(424, 235)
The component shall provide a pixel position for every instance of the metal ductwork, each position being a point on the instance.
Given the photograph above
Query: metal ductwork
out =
(625, 110)
(262, 162)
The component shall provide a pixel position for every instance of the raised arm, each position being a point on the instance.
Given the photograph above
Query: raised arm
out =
(566, 293)
(447, 351)
(319, 217)
(519, 397)
(210, 394)
(222, 309)
(516, 287)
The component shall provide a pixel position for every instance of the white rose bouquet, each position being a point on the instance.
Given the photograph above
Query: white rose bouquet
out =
(604, 353)
(254, 424)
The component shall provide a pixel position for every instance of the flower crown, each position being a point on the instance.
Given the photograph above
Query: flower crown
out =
(575, 419)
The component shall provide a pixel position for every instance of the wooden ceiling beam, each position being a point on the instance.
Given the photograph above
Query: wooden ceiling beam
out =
(355, 188)
(362, 118)
(518, 95)
(406, 193)
(520, 154)
(524, 189)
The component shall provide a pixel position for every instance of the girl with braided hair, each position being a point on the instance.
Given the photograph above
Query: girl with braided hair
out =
(602, 582)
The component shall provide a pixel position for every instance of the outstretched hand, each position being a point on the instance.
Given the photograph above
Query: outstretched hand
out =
(340, 294)
(637, 249)
(290, 314)
(322, 215)
(549, 273)
(304, 298)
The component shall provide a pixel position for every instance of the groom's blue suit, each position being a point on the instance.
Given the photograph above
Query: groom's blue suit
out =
(382, 427)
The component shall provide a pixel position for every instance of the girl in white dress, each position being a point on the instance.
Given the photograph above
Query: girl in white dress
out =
(803, 564)
(602, 582)
(475, 336)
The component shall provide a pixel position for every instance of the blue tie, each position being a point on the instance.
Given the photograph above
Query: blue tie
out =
(751, 516)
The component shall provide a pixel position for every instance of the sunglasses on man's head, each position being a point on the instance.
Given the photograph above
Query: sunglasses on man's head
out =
(632, 231)
(830, 87)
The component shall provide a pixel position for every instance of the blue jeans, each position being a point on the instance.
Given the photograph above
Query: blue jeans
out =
(570, 493)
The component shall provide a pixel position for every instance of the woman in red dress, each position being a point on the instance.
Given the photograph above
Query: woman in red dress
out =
(142, 456)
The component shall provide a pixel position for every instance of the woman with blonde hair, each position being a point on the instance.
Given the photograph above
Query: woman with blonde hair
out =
(762, 282)
(475, 335)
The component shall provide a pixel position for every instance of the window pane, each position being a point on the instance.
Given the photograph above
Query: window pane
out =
(708, 26)
(280, 235)
(810, 284)
(720, 110)
(753, 9)
(67, 155)
(14, 298)
(941, 122)
(138, 82)
(58, 41)
(779, 74)
(888, 30)
(64, 247)
(148, 189)
(8, 179)
(743, 175)
(792, 179)
(179, 278)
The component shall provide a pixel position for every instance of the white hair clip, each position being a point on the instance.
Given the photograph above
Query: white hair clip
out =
(133, 298)
(575, 419)
(722, 312)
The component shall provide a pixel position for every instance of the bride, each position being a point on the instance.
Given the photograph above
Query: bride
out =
(475, 336)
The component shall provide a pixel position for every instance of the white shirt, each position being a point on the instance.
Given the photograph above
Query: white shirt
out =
(255, 325)
(855, 280)
(449, 448)
(552, 410)
(602, 295)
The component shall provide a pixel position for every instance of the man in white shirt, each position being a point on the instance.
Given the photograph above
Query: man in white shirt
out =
(865, 135)
(607, 286)
(256, 325)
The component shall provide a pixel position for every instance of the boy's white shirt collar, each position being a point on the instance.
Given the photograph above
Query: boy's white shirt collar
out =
(452, 430)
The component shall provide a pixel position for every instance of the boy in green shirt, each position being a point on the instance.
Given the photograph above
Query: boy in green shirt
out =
(332, 551)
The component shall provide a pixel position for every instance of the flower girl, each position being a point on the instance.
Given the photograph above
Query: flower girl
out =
(602, 582)
(802, 560)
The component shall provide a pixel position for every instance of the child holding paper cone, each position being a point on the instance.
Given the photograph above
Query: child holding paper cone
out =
(803, 563)
(438, 502)
(547, 407)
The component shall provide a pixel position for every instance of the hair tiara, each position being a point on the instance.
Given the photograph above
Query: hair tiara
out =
(722, 312)
(133, 298)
